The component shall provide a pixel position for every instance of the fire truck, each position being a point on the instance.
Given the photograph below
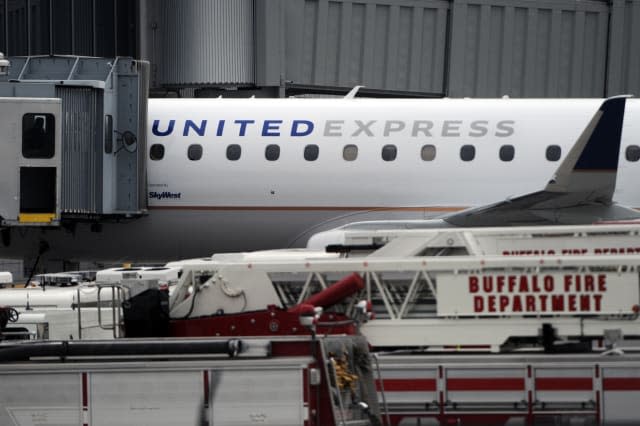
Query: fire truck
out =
(285, 337)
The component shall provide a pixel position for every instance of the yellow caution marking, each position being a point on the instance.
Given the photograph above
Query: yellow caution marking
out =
(36, 217)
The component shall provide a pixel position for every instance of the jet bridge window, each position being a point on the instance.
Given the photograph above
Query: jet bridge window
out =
(234, 151)
(389, 152)
(467, 152)
(507, 152)
(311, 152)
(350, 152)
(272, 152)
(428, 153)
(632, 153)
(38, 135)
(108, 134)
(554, 152)
(156, 152)
(194, 152)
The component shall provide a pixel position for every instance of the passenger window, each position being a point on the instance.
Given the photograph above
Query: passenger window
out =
(194, 152)
(428, 153)
(233, 152)
(272, 152)
(38, 135)
(467, 152)
(156, 152)
(632, 153)
(507, 152)
(554, 152)
(350, 152)
(389, 152)
(311, 152)
(108, 134)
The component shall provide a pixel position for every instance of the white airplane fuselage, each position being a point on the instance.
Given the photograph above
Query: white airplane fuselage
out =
(214, 204)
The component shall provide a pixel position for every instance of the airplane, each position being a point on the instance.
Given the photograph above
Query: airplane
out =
(579, 192)
(248, 174)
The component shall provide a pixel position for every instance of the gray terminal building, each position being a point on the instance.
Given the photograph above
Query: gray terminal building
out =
(276, 48)
(90, 65)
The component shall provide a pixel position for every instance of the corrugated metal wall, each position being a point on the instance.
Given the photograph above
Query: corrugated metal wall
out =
(82, 147)
(399, 45)
(624, 47)
(459, 48)
(203, 41)
(525, 48)
(60, 27)
(479, 48)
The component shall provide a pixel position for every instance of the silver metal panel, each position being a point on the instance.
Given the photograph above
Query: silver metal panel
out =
(528, 49)
(244, 397)
(137, 398)
(397, 45)
(204, 42)
(54, 401)
(82, 137)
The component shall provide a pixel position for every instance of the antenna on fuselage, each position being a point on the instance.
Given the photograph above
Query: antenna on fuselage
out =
(353, 92)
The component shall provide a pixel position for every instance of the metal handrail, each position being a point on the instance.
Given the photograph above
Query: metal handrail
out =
(117, 292)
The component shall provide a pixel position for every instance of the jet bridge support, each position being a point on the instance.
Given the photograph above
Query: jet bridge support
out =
(72, 140)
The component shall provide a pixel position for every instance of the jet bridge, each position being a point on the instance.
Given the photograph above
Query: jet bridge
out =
(72, 140)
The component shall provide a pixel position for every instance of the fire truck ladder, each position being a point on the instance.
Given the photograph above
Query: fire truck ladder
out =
(416, 301)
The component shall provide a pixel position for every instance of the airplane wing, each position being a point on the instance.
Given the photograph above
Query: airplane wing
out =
(580, 190)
